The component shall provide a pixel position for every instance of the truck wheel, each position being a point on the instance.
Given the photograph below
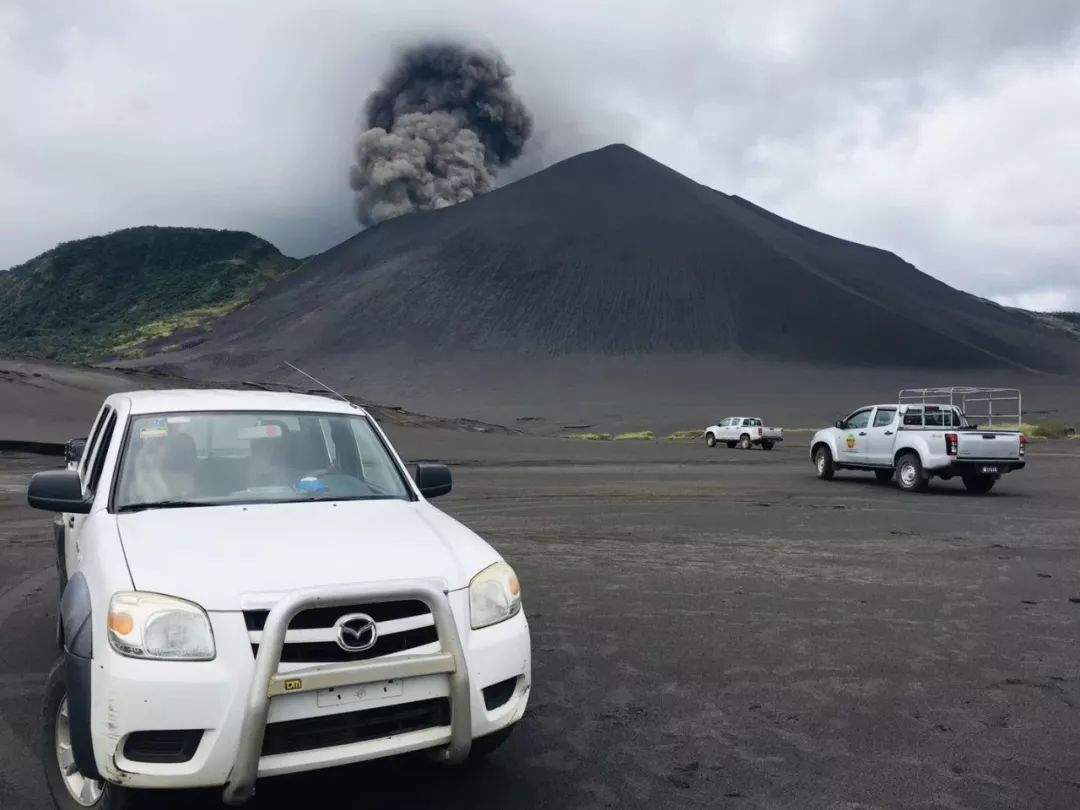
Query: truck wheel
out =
(884, 476)
(823, 463)
(978, 483)
(710, 440)
(70, 789)
(909, 473)
(744, 442)
(482, 746)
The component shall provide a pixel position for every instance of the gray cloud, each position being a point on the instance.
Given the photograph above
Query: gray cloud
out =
(944, 131)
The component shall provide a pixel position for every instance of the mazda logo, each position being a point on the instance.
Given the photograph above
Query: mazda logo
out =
(356, 632)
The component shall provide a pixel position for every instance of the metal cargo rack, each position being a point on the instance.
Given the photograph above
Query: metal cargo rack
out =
(981, 405)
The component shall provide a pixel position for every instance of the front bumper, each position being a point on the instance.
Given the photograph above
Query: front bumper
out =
(232, 698)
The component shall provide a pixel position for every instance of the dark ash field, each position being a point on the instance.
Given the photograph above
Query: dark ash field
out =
(711, 628)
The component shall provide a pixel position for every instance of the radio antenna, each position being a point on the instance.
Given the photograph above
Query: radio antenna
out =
(321, 384)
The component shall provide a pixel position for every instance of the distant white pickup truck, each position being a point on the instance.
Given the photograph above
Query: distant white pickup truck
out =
(743, 432)
(916, 442)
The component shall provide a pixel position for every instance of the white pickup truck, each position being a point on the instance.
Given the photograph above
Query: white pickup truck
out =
(253, 585)
(914, 443)
(743, 432)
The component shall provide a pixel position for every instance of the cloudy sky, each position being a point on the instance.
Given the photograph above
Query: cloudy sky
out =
(948, 132)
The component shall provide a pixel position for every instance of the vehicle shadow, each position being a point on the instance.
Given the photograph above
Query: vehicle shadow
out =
(406, 781)
(953, 488)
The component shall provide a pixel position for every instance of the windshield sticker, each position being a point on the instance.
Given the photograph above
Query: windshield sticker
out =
(850, 441)
(261, 432)
(155, 428)
(310, 483)
(178, 420)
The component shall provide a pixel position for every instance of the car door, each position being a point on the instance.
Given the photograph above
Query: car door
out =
(881, 435)
(69, 522)
(851, 443)
(725, 429)
(90, 473)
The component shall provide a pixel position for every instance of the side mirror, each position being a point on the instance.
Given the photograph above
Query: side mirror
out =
(433, 480)
(839, 423)
(73, 451)
(58, 491)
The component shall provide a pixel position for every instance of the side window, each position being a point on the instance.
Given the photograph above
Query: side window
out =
(99, 456)
(884, 417)
(91, 451)
(95, 432)
(913, 417)
(934, 417)
(859, 419)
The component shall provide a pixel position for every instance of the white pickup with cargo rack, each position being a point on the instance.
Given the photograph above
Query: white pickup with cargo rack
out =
(926, 434)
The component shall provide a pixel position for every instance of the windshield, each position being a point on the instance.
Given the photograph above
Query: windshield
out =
(204, 459)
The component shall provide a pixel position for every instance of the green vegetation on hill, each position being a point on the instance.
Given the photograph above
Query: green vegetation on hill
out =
(1071, 317)
(103, 296)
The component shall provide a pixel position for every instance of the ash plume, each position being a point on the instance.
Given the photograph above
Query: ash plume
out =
(443, 121)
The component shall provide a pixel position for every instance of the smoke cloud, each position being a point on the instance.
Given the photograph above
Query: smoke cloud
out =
(442, 123)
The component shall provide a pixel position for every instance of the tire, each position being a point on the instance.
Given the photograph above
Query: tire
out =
(731, 445)
(823, 463)
(95, 794)
(910, 475)
(710, 440)
(483, 746)
(978, 483)
(884, 476)
(766, 445)
(744, 442)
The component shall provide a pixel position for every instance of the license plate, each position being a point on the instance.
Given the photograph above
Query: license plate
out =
(989, 469)
(341, 695)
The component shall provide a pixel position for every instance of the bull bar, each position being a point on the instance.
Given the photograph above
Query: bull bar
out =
(267, 682)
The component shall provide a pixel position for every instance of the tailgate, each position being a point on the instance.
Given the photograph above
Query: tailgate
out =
(989, 444)
(773, 433)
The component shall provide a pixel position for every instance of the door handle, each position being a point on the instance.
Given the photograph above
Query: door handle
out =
(862, 433)
(888, 433)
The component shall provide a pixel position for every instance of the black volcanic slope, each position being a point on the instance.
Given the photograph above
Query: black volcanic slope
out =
(611, 252)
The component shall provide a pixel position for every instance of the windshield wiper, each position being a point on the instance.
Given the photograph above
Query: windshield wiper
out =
(138, 507)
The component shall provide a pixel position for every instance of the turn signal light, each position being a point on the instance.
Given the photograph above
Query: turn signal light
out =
(1023, 443)
(121, 623)
(760, 431)
(951, 441)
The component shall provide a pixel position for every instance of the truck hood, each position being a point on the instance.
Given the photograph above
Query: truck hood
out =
(244, 556)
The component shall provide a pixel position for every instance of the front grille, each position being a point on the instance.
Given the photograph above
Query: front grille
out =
(340, 729)
(325, 617)
(316, 652)
(310, 652)
(162, 746)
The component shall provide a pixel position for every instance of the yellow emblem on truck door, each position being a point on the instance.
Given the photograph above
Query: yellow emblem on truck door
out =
(851, 441)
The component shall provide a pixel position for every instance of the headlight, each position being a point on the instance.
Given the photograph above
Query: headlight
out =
(149, 625)
(494, 595)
